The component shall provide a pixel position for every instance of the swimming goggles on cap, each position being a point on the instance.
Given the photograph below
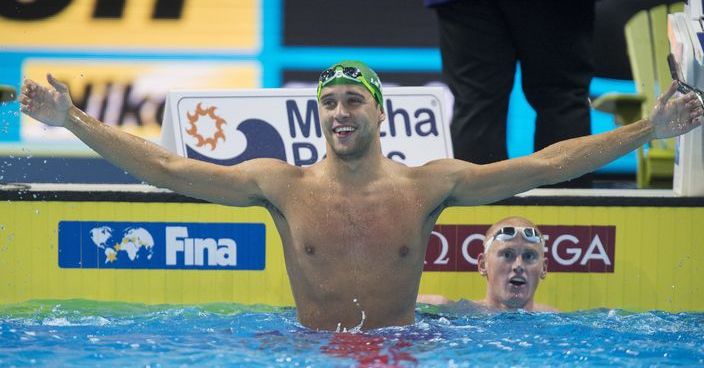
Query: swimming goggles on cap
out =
(338, 71)
(507, 233)
(347, 72)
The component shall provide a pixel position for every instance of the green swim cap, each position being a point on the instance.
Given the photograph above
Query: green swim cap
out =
(352, 72)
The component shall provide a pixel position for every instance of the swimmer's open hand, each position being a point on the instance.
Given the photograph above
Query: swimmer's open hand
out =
(50, 106)
(674, 116)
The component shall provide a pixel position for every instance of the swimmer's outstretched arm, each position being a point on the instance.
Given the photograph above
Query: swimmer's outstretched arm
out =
(470, 184)
(240, 185)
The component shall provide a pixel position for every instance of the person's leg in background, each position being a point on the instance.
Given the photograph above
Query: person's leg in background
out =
(479, 65)
(553, 41)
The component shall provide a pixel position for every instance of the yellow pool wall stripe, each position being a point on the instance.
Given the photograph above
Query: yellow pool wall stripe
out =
(658, 258)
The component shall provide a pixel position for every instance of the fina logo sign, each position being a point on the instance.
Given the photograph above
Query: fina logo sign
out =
(152, 245)
(229, 127)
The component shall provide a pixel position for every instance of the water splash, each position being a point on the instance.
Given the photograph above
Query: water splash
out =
(69, 333)
(358, 327)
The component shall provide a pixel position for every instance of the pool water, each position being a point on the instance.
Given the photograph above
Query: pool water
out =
(81, 333)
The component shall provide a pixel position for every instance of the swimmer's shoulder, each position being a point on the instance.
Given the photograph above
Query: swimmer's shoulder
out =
(447, 165)
(448, 305)
(536, 307)
(464, 306)
(433, 299)
(429, 170)
(273, 166)
(267, 163)
(450, 170)
(544, 308)
(273, 176)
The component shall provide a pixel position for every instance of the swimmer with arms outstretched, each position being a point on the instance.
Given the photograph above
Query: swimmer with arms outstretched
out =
(354, 226)
(513, 263)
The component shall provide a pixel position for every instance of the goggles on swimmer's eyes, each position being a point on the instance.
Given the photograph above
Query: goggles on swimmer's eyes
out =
(507, 233)
(347, 72)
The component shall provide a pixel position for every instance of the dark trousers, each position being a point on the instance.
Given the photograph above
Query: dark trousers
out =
(481, 41)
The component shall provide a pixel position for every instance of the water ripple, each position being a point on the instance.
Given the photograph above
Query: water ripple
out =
(80, 333)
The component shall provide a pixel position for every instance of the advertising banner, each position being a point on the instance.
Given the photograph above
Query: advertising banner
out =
(228, 127)
(128, 94)
(567, 248)
(156, 245)
(136, 25)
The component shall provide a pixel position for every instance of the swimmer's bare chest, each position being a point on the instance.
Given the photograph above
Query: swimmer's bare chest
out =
(362, 244)
(378, 225)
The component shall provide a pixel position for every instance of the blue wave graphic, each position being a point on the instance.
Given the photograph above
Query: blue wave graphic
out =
(263, 141)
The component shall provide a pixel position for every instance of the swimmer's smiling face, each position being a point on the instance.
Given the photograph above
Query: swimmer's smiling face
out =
(513, 269)
(350, 119)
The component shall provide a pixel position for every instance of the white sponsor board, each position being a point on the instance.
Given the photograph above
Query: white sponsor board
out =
(686, 47)
(689, 164)
(230, 126)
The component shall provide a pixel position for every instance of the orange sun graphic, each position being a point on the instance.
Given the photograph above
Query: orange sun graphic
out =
(193, 130)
